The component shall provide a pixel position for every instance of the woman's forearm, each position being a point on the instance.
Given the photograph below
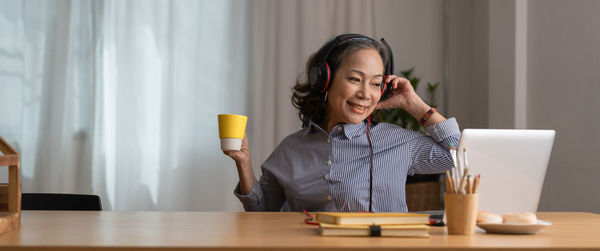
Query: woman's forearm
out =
(417, 108)
(246, 176)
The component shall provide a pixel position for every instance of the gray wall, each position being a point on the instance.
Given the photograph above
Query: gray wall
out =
(560, 70)
(468, 63)
(415, 33)
(564, 81)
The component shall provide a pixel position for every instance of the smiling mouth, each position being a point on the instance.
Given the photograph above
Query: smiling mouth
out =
(358, 108)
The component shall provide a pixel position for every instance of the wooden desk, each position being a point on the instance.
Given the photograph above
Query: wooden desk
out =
(58, 230)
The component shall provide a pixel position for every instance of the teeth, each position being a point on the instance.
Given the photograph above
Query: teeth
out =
(358, 106)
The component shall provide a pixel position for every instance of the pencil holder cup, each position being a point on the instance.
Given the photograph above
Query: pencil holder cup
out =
(461, 213)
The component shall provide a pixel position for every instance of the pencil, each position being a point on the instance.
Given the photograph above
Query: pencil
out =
(448, 182)
(465, 157)
(452, 184)
(476, 185)
(461, 188)
(469, 184)
(465, 178)
(453, 154)
(455, 180)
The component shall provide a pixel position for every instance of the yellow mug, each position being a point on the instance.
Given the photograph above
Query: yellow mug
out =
(231, 131)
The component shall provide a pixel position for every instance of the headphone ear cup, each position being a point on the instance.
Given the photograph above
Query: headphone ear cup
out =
(313, 76)
(326, 74)
(319, 77)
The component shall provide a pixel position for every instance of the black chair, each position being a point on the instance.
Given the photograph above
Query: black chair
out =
(54, 201)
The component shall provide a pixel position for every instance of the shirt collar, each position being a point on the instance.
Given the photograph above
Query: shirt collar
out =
(312, 127)
(354, 130)
(349, 130)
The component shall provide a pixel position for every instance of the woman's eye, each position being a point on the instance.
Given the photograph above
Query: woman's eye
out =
(376, 84)
(354, 80)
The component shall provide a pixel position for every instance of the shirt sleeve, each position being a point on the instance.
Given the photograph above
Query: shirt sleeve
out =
(265, 195)
(250, 201)
(431, 154)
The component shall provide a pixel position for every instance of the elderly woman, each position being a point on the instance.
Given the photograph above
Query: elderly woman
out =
(341, 160)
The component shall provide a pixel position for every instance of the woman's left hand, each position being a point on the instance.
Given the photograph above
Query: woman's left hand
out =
(403, 95)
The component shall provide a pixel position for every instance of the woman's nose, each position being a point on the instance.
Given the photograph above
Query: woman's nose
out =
(363, 92)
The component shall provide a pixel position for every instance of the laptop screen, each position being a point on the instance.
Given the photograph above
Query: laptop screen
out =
(512, 164)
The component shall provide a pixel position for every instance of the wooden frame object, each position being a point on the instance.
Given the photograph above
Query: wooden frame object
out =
(10, 194)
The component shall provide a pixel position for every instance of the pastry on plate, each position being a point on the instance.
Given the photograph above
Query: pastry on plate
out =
(487, 217)
(523, 217)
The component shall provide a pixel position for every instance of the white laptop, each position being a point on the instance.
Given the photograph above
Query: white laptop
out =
(512, 164)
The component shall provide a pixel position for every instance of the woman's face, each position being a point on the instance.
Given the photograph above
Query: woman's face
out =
(355, 90)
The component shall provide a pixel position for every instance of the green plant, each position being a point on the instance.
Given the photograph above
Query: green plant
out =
(403, 118)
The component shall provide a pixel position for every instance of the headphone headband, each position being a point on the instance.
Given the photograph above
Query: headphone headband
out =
(321, 72)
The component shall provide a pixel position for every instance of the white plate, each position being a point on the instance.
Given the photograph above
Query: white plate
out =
(514, 228)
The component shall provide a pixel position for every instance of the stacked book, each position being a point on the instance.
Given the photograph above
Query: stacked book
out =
(373, 224)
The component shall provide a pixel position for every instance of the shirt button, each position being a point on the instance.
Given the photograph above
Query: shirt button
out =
(328, 140)
(326, 176)
(329, 162)
(339, 128)
(328, 197)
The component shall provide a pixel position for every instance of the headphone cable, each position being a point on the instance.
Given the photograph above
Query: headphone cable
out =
(371, 166)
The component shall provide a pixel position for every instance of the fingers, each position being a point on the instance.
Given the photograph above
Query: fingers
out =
(229, 153)
(235, 155)
(245, 141)
(403, 82)
(246, 144)
(401, 88)
(397, 82)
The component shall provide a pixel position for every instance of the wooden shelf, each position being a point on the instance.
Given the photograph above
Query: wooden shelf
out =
(7, 160)
(10, 194)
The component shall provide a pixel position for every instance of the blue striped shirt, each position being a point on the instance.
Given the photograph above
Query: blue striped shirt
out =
(319, 171)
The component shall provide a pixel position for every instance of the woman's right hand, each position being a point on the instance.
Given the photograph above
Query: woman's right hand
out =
(244, 166)
(243, 155)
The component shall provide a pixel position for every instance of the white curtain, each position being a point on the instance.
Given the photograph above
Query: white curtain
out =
(284, 35)
(120, 98)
